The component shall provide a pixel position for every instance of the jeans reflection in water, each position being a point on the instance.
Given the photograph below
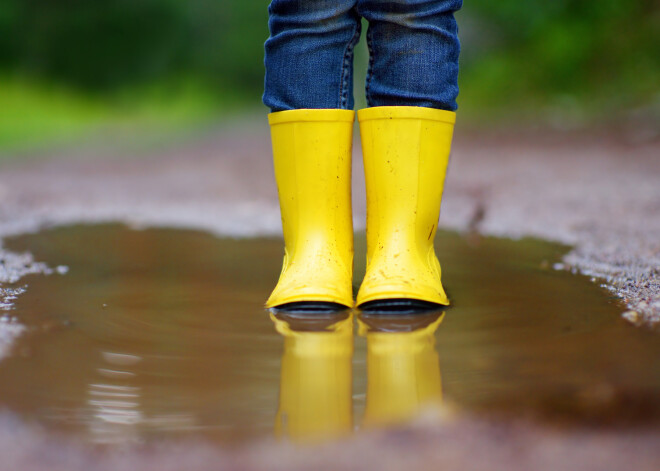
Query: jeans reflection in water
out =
(403, 373)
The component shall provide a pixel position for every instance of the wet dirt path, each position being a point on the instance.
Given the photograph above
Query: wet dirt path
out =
(593, 193)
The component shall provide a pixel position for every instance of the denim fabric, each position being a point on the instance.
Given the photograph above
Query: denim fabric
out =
(413, 53)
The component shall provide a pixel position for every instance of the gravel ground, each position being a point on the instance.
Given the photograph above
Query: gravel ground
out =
(433, 444)
(593, 192)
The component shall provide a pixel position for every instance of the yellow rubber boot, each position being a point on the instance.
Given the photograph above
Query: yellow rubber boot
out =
(403, 372)
(405, 151)
(315, 400)
(312, 160)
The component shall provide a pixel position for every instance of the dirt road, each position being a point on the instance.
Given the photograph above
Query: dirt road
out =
(592, 192)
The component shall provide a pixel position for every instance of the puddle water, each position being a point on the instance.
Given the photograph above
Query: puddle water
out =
(161, 333)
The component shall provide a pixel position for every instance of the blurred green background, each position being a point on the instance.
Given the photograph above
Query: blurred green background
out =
(74, 68)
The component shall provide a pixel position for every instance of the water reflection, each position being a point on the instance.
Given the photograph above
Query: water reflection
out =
(403, 372)
(115, 411)
(316, 376)
(403, 369)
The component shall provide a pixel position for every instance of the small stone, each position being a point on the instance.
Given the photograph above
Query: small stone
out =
(633, 317)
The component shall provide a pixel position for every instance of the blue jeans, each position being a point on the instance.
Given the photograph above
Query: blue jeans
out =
(413, 53)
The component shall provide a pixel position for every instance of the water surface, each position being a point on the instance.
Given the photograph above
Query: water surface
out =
(162, 333)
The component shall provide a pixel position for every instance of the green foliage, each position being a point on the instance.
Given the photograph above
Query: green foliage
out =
(37, 115)
(105, 45)
(538, 50)
(597, 55)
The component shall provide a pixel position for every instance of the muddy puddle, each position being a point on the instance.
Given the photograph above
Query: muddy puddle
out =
(161, 334)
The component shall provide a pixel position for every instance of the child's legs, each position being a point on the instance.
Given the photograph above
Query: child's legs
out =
(413, 47)
(309, 54)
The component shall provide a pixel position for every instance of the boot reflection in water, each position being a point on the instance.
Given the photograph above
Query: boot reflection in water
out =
(316, 376)
(403, 370)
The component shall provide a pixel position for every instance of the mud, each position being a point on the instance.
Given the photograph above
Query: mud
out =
(161, 334)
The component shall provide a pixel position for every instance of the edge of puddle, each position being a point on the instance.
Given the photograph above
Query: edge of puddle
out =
(16, 266)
